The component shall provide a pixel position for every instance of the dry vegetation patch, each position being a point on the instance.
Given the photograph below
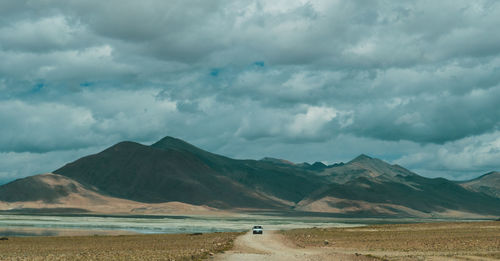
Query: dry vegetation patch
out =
(128, 247)
(407, 241)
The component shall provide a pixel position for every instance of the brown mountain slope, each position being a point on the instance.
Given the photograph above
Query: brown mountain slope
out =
(47, 188)
(364, 166)
(52, 191)
(488, 184)
(370, 186)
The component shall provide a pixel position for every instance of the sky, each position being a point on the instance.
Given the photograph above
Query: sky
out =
(415, 83)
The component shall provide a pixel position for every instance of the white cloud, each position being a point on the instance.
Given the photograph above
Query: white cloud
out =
(18, 165)
(461, 159)
(99, 117)
(44, 126)
(308, 124)
(409, 118)
(42, 35)
(403, 76)
(3, 86)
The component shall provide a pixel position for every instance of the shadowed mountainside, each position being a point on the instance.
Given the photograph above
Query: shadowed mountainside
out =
(173, 170)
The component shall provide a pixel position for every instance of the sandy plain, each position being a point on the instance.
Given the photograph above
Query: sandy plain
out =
(421, 241)
(122, 247)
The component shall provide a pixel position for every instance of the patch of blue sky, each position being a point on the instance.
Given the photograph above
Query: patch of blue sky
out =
(38, 87)
(259, 63)
(215, 72)
(86, 84)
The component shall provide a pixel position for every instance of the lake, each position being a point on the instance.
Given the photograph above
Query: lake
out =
(42, 225)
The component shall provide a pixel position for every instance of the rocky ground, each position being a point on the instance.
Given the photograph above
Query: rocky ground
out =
(428, 241)
(127, 247)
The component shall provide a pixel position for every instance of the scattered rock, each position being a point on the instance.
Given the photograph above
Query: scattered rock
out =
(326, 242)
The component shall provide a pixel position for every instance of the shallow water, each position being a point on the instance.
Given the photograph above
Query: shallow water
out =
(34, 225)
(44, 225)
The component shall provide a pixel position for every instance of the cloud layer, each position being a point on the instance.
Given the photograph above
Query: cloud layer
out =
(415, 83)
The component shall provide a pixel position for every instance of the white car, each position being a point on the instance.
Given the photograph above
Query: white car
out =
(257, 229)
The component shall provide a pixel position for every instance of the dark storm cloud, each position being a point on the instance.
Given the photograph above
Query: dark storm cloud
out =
(416, 78)
(436, 119)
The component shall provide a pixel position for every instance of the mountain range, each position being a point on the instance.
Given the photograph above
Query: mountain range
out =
(172, 176)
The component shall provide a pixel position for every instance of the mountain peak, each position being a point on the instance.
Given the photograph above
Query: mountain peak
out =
(376, 167)
(488, 176)
(488, 183)
(169, 142)
(362, 157)
(492, 173)
(319, 164)
(277, 161)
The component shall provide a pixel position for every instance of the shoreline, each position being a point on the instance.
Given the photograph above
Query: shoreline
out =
(81, 224)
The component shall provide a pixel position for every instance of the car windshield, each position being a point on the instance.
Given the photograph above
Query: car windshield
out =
(257, 227)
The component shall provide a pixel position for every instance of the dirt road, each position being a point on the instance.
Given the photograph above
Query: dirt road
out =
(272, 246)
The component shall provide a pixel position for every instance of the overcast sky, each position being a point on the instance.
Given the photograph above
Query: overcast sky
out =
(415, 83)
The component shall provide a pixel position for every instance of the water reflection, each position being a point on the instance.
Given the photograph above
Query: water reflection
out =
(35, 225)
